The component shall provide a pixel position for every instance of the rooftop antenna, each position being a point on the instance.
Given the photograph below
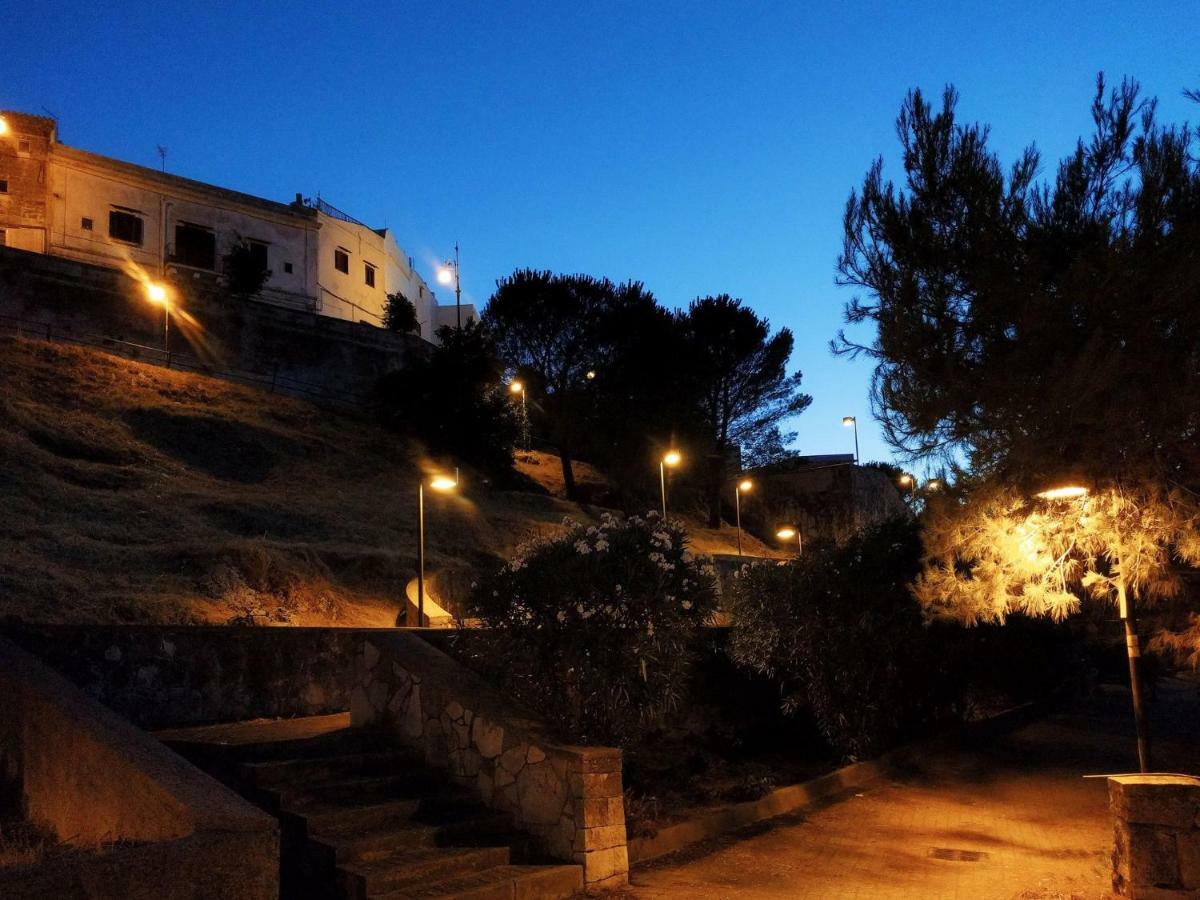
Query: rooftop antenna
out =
(162, 156)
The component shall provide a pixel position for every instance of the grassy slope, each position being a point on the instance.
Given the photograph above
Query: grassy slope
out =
(132, 493)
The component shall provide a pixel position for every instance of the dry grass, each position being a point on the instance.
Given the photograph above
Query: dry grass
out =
(137, 494)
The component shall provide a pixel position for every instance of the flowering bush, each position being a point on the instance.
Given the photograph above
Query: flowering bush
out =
(594, 628)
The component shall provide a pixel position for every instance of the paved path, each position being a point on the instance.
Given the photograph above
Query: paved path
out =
(1013, 819)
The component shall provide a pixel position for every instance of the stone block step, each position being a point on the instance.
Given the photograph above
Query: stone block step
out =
(486, 829)
(345, 791)
(410, 868)
(499, 883)
(267, 773)
(327, 818)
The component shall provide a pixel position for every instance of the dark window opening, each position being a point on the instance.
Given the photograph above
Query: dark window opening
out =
(125, 225)
(258, 254)
(341, 260)
(369, 275)
(22, 146)
(3, 185)
(85, 223)
(195, 246)
(287, 268)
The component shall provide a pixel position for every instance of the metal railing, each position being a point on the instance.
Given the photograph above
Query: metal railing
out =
(273, 383)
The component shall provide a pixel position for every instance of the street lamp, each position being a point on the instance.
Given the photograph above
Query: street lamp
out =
(590, 375)
(448, 274)
(157, 293)
(670, 459)
(852, 422)
(516, 387)
(787, 532)
(932, 484)
(3, 126)
(744, 485)
(442, 484)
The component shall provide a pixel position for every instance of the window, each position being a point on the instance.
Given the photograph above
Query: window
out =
(125, 225)
(369, 274)
(258, 254)
(195, 246)
(287, 268)
(23, 147)
(3, 185)
(85, 223)
(341, 260)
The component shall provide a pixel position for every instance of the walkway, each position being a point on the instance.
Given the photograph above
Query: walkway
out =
(1015, 819)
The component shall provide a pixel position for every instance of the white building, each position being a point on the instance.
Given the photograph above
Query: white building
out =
(67, 202)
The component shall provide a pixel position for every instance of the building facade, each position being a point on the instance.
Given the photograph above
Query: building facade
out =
(67, 202)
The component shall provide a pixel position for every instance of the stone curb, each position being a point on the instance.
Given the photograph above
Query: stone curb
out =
(796, 797)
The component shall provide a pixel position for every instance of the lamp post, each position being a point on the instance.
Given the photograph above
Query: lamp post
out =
(442, 484)
(744, 485)
(448, 274)
(516, 387)
(157, 293)
(911, 483)
(3, 126)
(670, 459)
(787, 532)
(852, 422)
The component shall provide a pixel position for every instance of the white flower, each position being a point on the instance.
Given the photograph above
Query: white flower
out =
(601, 545)
(650, 629)
(582, 547)
(562, 616)
(592, 531)
(686, 604)
(618, 589)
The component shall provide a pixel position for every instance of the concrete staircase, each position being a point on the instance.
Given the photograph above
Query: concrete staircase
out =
(363, 818)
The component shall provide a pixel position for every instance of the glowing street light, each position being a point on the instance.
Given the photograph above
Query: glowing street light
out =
(911, 483)
(590, 375)
(3, 126)
(670, 459)
(447, 274)
(787, 532)
(517, 387)
(740, 488)
(1066, 492)
(442, 484)
(932, 484)
(157, 293)
(852, 422)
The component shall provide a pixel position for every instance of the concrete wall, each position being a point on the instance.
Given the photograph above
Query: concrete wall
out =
(569, 798)
(94, 780)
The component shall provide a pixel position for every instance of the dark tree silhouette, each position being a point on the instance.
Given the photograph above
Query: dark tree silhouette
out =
(399, 314)
(736, 378)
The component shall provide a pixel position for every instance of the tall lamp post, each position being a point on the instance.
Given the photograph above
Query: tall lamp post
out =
(741, 487)
(442, 484)
(852, 422)
(787, 532)
(157, 293)
(911, 483)
(670, 459)
(448, 274)
(517, 387)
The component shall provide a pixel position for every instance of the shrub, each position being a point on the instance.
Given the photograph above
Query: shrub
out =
(399, 314)
(595, 628)
(844, 636)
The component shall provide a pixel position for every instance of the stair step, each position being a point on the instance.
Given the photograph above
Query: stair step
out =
(499, 883)
(484, 829)
(338, 817)
(268, 773)
(409, 868)
(346, 791)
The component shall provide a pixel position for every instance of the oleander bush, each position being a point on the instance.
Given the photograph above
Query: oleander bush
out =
(596, 629)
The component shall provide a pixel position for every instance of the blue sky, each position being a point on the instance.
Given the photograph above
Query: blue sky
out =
(698, 147)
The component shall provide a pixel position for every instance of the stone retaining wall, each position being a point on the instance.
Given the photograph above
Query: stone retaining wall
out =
(148, 824)
(1156, 830)
(568, 797)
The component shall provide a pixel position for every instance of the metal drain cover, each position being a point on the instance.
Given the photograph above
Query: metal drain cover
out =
(956, 855)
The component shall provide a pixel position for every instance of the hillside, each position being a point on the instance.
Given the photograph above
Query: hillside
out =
(137, 494)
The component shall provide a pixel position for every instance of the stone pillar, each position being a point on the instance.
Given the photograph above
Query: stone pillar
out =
(1156, 829)
(599, 846)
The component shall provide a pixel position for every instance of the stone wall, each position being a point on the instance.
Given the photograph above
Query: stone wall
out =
(162, 676)
(147, 824)
(568, 797)
(300, 352)
(1156, 830)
